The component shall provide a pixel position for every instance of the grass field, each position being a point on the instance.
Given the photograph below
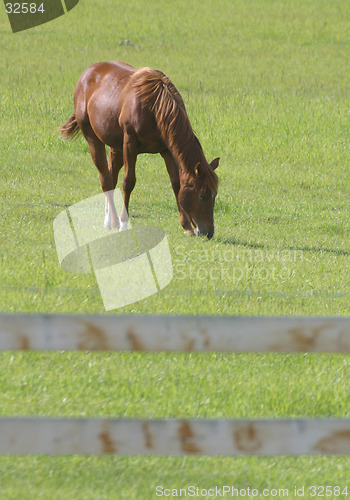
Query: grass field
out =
(266, 84)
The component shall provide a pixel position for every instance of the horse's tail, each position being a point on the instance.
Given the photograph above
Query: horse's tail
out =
(70, 129)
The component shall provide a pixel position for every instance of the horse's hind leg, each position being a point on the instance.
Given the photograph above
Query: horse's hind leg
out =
(98, 154)
(129, 181)
(175, 183)
(115, 163)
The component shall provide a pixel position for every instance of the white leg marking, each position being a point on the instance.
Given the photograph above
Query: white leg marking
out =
(123, 225)
(108, 219)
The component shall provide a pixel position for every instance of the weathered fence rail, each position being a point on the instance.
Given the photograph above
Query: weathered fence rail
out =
(173, 333)
(67, 436)
(41, 435)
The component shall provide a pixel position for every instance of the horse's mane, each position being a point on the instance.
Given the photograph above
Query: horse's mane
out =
(156, 91)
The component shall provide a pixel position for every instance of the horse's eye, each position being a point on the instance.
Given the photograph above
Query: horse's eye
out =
(204, 196)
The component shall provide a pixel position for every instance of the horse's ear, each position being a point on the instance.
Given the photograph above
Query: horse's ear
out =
(215, 163)
(198, 169)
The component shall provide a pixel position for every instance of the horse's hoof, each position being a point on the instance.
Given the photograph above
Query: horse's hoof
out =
(123, 226)
(115, 225)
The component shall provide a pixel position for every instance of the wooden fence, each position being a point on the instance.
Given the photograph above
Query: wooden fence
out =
(39, 435)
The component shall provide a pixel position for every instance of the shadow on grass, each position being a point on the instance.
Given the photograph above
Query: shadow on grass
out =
(259, 246)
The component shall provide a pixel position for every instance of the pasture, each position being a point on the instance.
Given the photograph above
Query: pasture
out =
(266, 88)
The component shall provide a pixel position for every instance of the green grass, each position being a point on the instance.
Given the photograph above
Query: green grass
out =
(266, 87)
(181, 386)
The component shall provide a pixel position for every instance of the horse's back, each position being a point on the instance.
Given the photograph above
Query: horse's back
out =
(108, 75)
(97, 99)
(100, 70)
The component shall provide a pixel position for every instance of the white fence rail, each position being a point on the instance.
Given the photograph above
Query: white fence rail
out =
(173, 333)
(67, 436)
(41, 435)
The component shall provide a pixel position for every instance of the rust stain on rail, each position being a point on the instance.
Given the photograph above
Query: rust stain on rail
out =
(336, 443)
(187, 438)
(188, 343)
(247, 438)
(147, 435)
(24, 343)
(93, 338)
(135, 342)
(189, 340)
(302, 338)
(206, 337)
(108, 445)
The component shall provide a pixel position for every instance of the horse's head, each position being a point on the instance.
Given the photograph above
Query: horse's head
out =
(197, 197)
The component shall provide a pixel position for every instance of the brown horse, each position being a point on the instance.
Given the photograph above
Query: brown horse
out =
(140, 111)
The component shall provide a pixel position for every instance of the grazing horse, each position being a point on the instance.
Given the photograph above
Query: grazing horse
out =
(140, 111)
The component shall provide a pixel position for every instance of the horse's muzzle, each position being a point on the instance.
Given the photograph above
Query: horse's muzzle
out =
(210, 235)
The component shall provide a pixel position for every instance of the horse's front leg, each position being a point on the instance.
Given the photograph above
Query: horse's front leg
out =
(173, 172)
(129, 157)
